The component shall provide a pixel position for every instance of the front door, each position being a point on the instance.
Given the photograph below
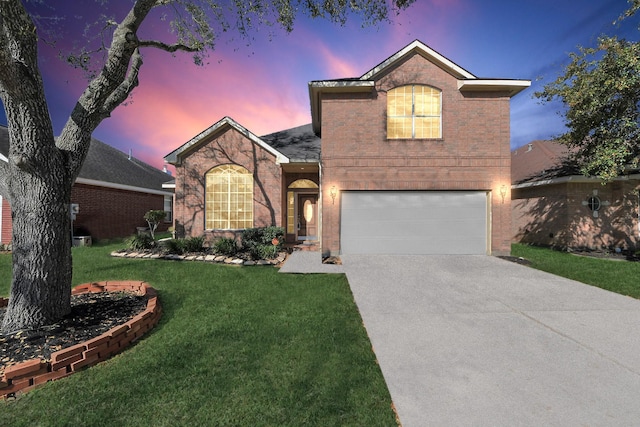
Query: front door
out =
(307, 217)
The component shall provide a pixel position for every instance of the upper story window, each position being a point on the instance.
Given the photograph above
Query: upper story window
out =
(229, 198)
(414, 111)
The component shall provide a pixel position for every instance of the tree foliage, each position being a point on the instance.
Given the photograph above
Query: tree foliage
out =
(41, 169)
(600, 89)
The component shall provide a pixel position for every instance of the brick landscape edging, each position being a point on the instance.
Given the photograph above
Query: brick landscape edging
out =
(27, 375)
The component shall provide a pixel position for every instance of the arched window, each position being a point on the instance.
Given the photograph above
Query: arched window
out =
(229, 198)
(414, 111)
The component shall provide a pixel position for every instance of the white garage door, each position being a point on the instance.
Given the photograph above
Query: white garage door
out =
(413, 222)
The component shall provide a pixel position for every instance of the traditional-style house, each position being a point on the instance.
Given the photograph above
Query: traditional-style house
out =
(412, 157)
(111, 195)
(554, 205)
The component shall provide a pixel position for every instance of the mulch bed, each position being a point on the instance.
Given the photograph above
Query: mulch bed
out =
(92, 314)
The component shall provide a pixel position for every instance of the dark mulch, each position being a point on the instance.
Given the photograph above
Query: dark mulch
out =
(92, 314)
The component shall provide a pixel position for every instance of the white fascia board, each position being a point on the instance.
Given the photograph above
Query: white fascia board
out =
(580, 179)
(512, 86)
(430, 54)
(171, 185)
(3, 158)
(340, 85)
(561, 180)
(174, 157)
(122, 187)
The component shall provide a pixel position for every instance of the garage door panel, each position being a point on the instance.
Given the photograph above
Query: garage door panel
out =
(421, 222)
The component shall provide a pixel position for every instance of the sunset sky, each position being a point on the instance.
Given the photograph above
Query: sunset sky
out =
(262, 84)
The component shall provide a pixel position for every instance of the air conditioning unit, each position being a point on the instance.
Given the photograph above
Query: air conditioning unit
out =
(81, 240)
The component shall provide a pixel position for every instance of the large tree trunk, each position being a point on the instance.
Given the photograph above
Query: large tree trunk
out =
(41, 284)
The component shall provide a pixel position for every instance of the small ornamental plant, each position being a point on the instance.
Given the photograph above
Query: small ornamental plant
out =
(153, 218)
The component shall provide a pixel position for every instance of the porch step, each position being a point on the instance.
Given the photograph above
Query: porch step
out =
(310, 246)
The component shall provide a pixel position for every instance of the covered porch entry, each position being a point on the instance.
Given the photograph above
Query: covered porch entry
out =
(302, 222)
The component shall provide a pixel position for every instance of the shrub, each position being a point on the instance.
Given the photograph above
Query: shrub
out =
(267, 251)
(226, 246)
(153, 218)
(270, 233)
(194, 244)
(254, 238)
(262, 235)
(140, 242)
(174, 246)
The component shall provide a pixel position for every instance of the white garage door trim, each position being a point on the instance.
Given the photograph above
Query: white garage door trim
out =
(414, 222)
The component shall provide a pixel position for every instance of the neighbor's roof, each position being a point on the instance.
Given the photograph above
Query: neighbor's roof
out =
(540, 161)
(467, 82)
(107, 166)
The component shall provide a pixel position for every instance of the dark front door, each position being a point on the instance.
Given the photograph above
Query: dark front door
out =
(307, 217)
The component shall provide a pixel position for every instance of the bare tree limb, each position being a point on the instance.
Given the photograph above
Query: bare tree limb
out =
(123, 91)
(168, 47)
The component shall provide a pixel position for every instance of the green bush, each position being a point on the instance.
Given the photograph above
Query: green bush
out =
(194, 244)
(140, 242)
(270, 233)
(259, 241)
(253, 237)
(174, 246)
(267, 251)
(226, 246)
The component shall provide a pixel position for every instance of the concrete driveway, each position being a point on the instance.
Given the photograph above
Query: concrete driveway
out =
(479, 341)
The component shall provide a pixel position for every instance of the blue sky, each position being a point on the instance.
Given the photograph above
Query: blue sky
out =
(262, 84)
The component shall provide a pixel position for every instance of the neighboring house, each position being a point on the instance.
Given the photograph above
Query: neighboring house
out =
(554, 205)
(113, 192)
(410, 158)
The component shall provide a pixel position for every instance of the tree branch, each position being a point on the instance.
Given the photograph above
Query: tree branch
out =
(123, 91)
(168, 47)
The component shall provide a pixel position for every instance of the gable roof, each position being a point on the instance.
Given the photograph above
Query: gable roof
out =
(541, 161)
(299, 144)
(108, 167)
(176, 156)
(366, 83)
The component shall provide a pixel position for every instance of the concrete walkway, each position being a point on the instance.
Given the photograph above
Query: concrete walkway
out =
(479, 341)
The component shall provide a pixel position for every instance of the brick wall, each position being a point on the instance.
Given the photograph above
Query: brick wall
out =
(5, 226)
(473, 153)
(227, 147)
(26, 376)
(107, 213)
(555, 215)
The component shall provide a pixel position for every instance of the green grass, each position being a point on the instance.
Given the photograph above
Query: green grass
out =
(235, 347)
(616, 276)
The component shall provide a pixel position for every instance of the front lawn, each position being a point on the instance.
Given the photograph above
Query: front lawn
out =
(617, 276)
(236, 346)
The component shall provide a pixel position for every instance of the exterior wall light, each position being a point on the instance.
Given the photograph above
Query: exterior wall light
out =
(333, 193)
(503, 192)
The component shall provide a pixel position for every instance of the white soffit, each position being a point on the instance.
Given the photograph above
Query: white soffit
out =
(512, 86)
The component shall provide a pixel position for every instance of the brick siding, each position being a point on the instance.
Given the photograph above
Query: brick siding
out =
(107, 213)
(473, 154)
(5, 226)
(554, 215)
(227, 147)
